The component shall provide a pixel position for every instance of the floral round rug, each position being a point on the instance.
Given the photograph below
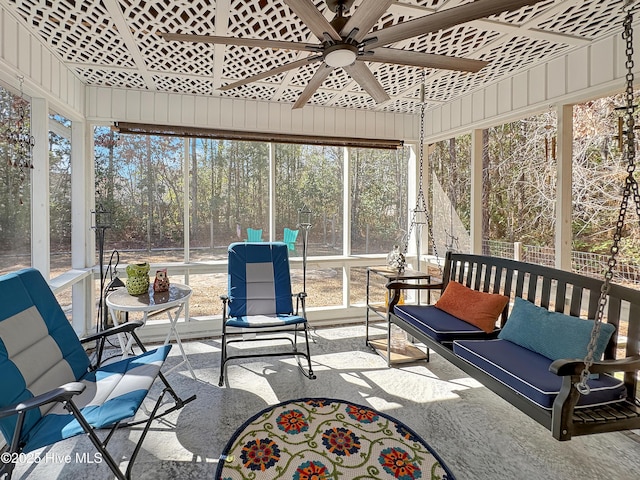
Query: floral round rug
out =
(320, 438)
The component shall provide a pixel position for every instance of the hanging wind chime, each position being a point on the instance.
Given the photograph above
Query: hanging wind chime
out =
(630, 189)
(549, 140)
(19, 137)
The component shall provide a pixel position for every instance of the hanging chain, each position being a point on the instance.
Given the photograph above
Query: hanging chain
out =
(422, 108)
(630, 185)
(421, 203)
(420, 196)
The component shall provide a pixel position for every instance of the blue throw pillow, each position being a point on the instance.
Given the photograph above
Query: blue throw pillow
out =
(552, 334)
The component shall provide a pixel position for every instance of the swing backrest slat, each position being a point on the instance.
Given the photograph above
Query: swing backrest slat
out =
(553, 289)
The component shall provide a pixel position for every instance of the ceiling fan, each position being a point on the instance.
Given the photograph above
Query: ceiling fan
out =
(346, 41)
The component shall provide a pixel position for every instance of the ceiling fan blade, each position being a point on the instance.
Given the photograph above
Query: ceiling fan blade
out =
(445, 19)
(243, 42)
(428, 60)
(365, 17)
(274, 71)
(365, 78)
(313, 19)
(314, 84)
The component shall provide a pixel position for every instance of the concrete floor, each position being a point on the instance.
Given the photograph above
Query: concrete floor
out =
(477, 434)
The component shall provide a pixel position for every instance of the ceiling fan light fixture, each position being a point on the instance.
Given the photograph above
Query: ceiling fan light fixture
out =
(340, 55)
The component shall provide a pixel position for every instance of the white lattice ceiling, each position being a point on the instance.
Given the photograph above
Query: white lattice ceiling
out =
(117, 43)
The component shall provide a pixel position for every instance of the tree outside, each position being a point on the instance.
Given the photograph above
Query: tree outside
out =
(519, 182)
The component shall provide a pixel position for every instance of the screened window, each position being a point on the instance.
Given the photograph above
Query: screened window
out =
(378, 199)
(231, 186)
(139, 180)
(229, 183)
(309, 178)
(60, 193)
(15, 196)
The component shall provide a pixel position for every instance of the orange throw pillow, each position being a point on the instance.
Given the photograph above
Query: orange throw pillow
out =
(477, 308)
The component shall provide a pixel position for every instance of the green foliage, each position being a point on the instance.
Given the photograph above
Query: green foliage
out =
(379, 199)
(139, 179)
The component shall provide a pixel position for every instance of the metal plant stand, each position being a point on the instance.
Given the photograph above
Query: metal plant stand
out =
(101, 222)
(304, 223)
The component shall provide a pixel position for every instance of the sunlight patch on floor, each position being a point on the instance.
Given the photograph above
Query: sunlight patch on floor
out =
(417, 387)
(467, 382)
(354, 360)
(381, 404)
(354, 379)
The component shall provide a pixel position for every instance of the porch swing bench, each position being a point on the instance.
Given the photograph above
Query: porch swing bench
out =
(561, 347)
(511, 365)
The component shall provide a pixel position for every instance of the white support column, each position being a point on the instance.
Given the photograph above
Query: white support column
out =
(564, 235)
(186, 208)
(186, 214)
(346, 203)
(82, 296)
(40, 235)
(412, 192)
(272, 192)
(476, 191)
(427, 241)
(346, 224)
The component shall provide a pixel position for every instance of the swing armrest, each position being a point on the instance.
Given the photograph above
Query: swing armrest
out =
(563, 411)
(565, 367)
(396, 285)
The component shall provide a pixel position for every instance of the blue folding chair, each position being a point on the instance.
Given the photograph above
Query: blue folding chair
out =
(50, 390)
(259, 299)
(290, 237)
(254, 235)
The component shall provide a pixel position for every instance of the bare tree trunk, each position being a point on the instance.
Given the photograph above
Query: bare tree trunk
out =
(110, 170)
(453, 174)
(486, 189)
(150, 188)
(195, 224)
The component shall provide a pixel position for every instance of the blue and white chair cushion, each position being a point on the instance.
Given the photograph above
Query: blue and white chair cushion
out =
(260, 297)
(114, 393)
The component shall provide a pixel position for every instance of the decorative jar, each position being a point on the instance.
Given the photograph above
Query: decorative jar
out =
(138, 278)
(161, 283)
(396, 259)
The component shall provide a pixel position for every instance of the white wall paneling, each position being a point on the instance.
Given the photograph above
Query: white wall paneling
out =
(556, 79)
(538, 84)
(521, 82)
(602, 65)
(45, 76)
(107, 105)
